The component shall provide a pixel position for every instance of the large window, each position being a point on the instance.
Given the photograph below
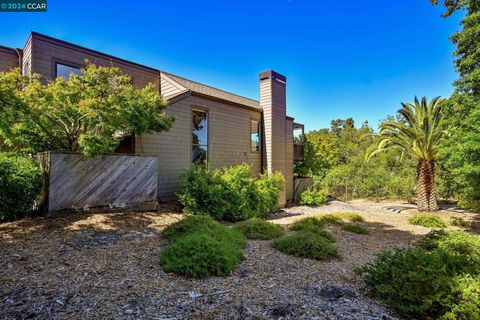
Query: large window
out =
(199, 136)
(63, 70)
(254, 136)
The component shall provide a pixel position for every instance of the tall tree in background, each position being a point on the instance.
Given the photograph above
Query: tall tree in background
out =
(418, 133)
(461, 151)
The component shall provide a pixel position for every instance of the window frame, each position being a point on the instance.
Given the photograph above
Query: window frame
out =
(259, 123)
(56, 62)
(207, 111)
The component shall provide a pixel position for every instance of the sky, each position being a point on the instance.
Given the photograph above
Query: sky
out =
(342, 59)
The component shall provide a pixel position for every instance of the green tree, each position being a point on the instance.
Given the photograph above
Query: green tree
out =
(419, 134)
(461, 150)
(88, 113)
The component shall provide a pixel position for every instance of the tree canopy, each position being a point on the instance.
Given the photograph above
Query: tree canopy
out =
(88, 113)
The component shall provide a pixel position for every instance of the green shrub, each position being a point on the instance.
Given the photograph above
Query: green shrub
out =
(313, 197)
(466, 302)
(460, 222)
(438, 278)
(453, 242)
(309, 222)
(201, 247)
(199, 255)
(203, 192)
(230, 194)
(349, 216)
(268, 188)
(356, 228)
(428, 220)
(330, 219)
(259, 229)
(308, 244)
(20, 183)
(203, 224)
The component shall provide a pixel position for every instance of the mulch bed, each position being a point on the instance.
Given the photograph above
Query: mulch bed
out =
(106, 266)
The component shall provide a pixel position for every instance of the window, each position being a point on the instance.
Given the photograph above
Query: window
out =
(254, 136)
(63, 70)
(199, 136)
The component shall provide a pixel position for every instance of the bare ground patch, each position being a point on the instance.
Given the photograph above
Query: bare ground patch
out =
(106, 266)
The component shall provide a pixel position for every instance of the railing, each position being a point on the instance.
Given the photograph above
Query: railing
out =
(298, 152)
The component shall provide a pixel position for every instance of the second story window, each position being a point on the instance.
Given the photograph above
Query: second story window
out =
(63, 70)
(199, 136)
(254, 136)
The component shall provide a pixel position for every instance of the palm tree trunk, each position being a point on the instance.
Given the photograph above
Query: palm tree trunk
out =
(426, 195)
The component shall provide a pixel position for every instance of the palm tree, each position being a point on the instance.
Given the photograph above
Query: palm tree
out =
(418, 132)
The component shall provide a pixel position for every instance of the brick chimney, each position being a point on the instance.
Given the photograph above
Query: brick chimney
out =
(274, 105)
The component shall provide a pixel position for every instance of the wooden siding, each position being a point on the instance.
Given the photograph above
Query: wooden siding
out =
(46, 51)
(77, 182)
(169, 87)
(289, 159)
(228, 143)
(273, 103)
(301, 184)
(8, 59)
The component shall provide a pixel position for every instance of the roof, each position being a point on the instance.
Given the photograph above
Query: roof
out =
(211, 91)
(183, 85)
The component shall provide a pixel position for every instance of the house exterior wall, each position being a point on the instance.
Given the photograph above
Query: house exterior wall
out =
(8, 59)
(229, 121)
(273, 103)
(289, 187)
(228, 141)
(46, 51)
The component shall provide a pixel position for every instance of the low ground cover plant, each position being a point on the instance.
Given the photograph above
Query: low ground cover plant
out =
(349, 216)
(20, 183)
(201, 247)
(460, 222)
(314, 225)
(308, 244)
(231, 194)
(356, 228)
(439, 278)
(259, 229)
(428, 221)
(313, 197)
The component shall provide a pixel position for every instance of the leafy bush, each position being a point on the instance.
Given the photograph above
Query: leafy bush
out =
(309, 222)
(428, 220)
(356, 228)
(439, 278)
(259, 229)
(230, 194)
(460, 222)
(203, 224)
(268, 187)
(349, 216)
(308, 244)
(313, 197)
(453, 242)
(200, 255)
(314, 225)
(20, 183)
(467, 292)
(330, 219)
(201, 247)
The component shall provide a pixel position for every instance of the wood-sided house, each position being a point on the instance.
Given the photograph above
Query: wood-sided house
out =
(212, 126)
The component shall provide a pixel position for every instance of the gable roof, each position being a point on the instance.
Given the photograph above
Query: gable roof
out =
(183, 85)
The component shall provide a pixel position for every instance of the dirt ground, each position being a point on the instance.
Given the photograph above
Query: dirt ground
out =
(105, 266)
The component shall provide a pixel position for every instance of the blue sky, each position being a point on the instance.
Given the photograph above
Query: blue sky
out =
(341, 58)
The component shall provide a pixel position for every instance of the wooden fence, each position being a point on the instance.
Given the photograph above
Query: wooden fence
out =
(301, 183)
(114, 181)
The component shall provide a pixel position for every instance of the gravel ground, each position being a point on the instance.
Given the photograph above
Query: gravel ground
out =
(105, 266)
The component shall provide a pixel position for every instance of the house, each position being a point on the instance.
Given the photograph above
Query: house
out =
(212, 126)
